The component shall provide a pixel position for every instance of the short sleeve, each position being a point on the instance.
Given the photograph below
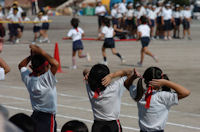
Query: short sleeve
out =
(2, 74)
(49, 79)
(133, 91)
(69, 33)
(168, 98)
(25, 75)
(121, 85)
(81, 30)
(9, 16)
(104, 31)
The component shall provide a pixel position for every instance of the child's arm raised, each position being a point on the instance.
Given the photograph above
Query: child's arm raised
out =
(24, 62)
(54, 64)
(107, 79)
(4, 65)
(131, 78)
(180, 90)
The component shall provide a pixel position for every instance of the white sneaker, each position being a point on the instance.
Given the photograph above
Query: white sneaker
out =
(33, 42)
(17, 41)
(165, 38)
(152, 38)
(123, 60)
(88, 57)
(169, 38)
(104, 62)
(155, 58)
(74, 67)
(139, 64)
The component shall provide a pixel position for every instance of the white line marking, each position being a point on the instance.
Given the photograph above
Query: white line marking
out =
(121, 115)
(65, 116)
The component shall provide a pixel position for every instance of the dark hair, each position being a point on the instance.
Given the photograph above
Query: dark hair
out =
(75, 22)
(24, 122)
(23, 14)
(106, 21)
(97, 73)
(75, 126)
(150, 74)
(143, 19)
(37, 60)
(15, 9)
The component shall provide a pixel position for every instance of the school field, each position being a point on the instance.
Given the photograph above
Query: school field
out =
(180, 59)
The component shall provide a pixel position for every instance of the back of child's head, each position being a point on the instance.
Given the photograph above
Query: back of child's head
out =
(74, 126)
(143, 20)
(74, 22)
(23, 14)
(15, 8)
(24, 122)
(37, 61)
(97, 73)
(106, 22)
(150, 74)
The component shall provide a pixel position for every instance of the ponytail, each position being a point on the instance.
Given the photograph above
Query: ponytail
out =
(140, 90)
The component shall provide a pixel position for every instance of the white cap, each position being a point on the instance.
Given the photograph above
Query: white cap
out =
(177, 5)
(154, 6)
(168, 4)
(130, 4)
(137, 5)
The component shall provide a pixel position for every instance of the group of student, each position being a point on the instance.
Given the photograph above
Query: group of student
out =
(162, 19)
(16, 18)
(154, 98)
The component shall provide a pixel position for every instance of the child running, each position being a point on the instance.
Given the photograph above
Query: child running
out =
(41, 87)
(108, 33)
(144, 36)
(37, 28)
(154, 101)
(105, 98)
(44, 28)
(76, 34)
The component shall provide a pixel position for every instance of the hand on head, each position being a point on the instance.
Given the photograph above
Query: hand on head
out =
(106, 80)
(157, 83)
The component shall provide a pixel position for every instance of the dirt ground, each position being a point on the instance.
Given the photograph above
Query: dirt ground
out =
(180, 59)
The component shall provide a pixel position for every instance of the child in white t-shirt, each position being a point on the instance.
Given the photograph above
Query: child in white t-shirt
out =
(37, 27)
(40, 84)
(155, 99)
(45, 27)
(108, 33)
(143, 32)
(76, 34)
(105, 97)
(152, 14)
(4, 69)
(177, 21)
(187, 18)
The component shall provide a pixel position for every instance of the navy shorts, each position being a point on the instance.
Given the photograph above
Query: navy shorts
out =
(36, 29)
(145, 41)
(2, 30)
(109, 43)
(186, 24)
(167, 25)
(129, 22)
(106, 126)
(77, 45)
(152, 23)
(153, 131)
(13, 29)
(177, 21)
(158, 20)
(21, 27)
(45, 26)
(45, 121)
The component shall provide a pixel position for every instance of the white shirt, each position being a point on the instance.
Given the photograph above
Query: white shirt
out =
(1, 15)
(122, 8)
(44, 18)
(2, 74)
(114, 13)
(37, 20)
(107, 31)
(42, 90)
(159, 11)
(100, 9)
(129, 13)
(167, 14)
(152, 14)
(156, 116)
(140, 13)
(107, 105)
(14, 18)
(25, 20)
(176, 14)
(144, 29)
(75, 34)
(186, 14)
(20, 10)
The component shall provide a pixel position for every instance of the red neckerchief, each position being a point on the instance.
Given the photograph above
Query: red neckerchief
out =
(148, 95)
(76, 29)
(96, 93)
(46, 63)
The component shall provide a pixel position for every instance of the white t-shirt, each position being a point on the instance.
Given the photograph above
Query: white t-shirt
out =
(129, 13)
(1, 15)
(107, 105)
(114, 13)
(37, 20)
(167, 14)
(186, 14)
(152, 14)
(44, 18)
(139, 13)
(42, 90)
(14, 18)
(176, 14)
(156, 116)
(100, 9)
(144, 29)
(2, 74)
(159, 11)
(20, 10)
(76, 34)
(122, 8)
(107, 31)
